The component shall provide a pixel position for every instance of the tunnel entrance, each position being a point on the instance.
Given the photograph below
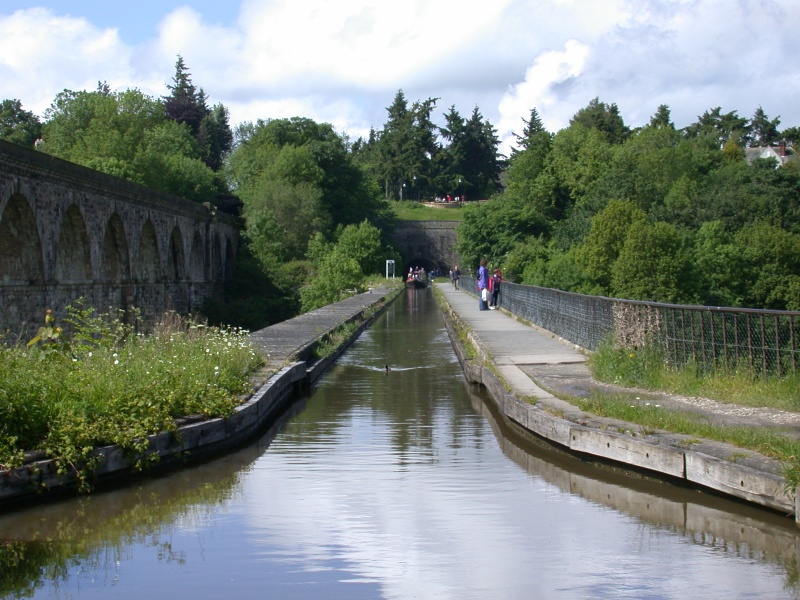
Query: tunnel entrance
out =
(424, 263)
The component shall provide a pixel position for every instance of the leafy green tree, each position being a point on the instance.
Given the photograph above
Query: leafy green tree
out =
(577, 163)
(607, 237)
(645, 167)
(769, 264)
(342, 267)
(126, 135)
(348, 196)
(654, 264)
(17, 125)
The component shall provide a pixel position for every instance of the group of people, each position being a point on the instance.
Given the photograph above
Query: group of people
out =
(488, 287)
(449, 198)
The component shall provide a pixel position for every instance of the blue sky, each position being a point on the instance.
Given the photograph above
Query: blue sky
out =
(342, 62)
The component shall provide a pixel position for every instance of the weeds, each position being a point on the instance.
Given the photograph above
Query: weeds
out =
(66, 394)
(649, 368)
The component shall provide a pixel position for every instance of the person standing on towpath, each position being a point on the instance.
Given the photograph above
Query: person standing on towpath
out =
(483, 285)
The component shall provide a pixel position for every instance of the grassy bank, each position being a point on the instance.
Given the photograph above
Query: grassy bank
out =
(63, 395)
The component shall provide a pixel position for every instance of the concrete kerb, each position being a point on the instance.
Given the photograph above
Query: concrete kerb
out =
(197, 439)
(660, 453)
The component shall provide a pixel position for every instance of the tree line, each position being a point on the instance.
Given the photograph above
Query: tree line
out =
(650, 213)
(655, 213)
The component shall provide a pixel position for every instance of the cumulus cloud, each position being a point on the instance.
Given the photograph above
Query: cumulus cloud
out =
(42, 53)
(343, 62)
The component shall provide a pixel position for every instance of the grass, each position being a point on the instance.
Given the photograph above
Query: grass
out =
(417, 211)
(64, 395)
(651, 417)
(648, 368)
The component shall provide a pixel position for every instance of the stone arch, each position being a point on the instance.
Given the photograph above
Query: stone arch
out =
(229, 258)
(196, 264)
(148, 258)
(73, 258)
(20, 246)
(216, 258)
(115, 256)
(175, 260)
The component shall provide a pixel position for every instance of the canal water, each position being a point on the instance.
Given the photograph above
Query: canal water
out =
(399, 484)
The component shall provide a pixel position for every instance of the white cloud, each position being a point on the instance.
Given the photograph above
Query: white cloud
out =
(343, 62)
(538, 90)
(42, 53)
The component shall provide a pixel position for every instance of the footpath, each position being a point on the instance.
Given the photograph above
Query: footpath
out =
(535, 378)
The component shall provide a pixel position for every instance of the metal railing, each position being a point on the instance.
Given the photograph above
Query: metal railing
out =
(763, 341)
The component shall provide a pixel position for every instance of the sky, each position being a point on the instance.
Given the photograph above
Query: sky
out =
(343, 61)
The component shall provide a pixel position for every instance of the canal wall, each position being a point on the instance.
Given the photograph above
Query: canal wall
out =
(291, 364)
(686, 460)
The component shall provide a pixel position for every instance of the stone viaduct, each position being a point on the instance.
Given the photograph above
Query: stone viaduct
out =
(428, 244)
(68, 232)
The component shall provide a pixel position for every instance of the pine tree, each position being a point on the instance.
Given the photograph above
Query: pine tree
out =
(185, 104)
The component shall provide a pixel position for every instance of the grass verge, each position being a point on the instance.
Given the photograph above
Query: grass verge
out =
(63, 395)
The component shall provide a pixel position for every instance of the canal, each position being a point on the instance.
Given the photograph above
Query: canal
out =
(399, 484)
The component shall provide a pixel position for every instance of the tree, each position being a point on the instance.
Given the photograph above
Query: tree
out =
(662, 118)
(343, 266)
(607, 236)
(470, 162)
(125, 134)
(407, 149)
(17, 125)
(602, 117)
(300, 173)
(763, 131)
(719, 128)
(185, 104)
(531, 133)
(653, 265)
(215, 137)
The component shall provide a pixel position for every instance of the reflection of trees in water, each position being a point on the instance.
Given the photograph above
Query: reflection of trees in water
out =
(48, 542)
(410, 338)
(703, 519)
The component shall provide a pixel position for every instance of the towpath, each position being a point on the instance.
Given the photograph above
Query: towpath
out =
(534, 363)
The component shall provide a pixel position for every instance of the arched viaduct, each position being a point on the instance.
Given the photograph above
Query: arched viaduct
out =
(68, 232)
(428, 244)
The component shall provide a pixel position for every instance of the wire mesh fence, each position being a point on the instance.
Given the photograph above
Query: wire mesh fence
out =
(762, 341)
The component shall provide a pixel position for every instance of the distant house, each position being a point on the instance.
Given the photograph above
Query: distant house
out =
(777, 153)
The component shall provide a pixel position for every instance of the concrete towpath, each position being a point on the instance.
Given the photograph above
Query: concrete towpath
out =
(536, 364)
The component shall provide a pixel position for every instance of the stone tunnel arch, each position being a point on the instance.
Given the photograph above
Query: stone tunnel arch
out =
(20, 245)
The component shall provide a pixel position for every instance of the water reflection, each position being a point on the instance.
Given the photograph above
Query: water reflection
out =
(397, 485)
